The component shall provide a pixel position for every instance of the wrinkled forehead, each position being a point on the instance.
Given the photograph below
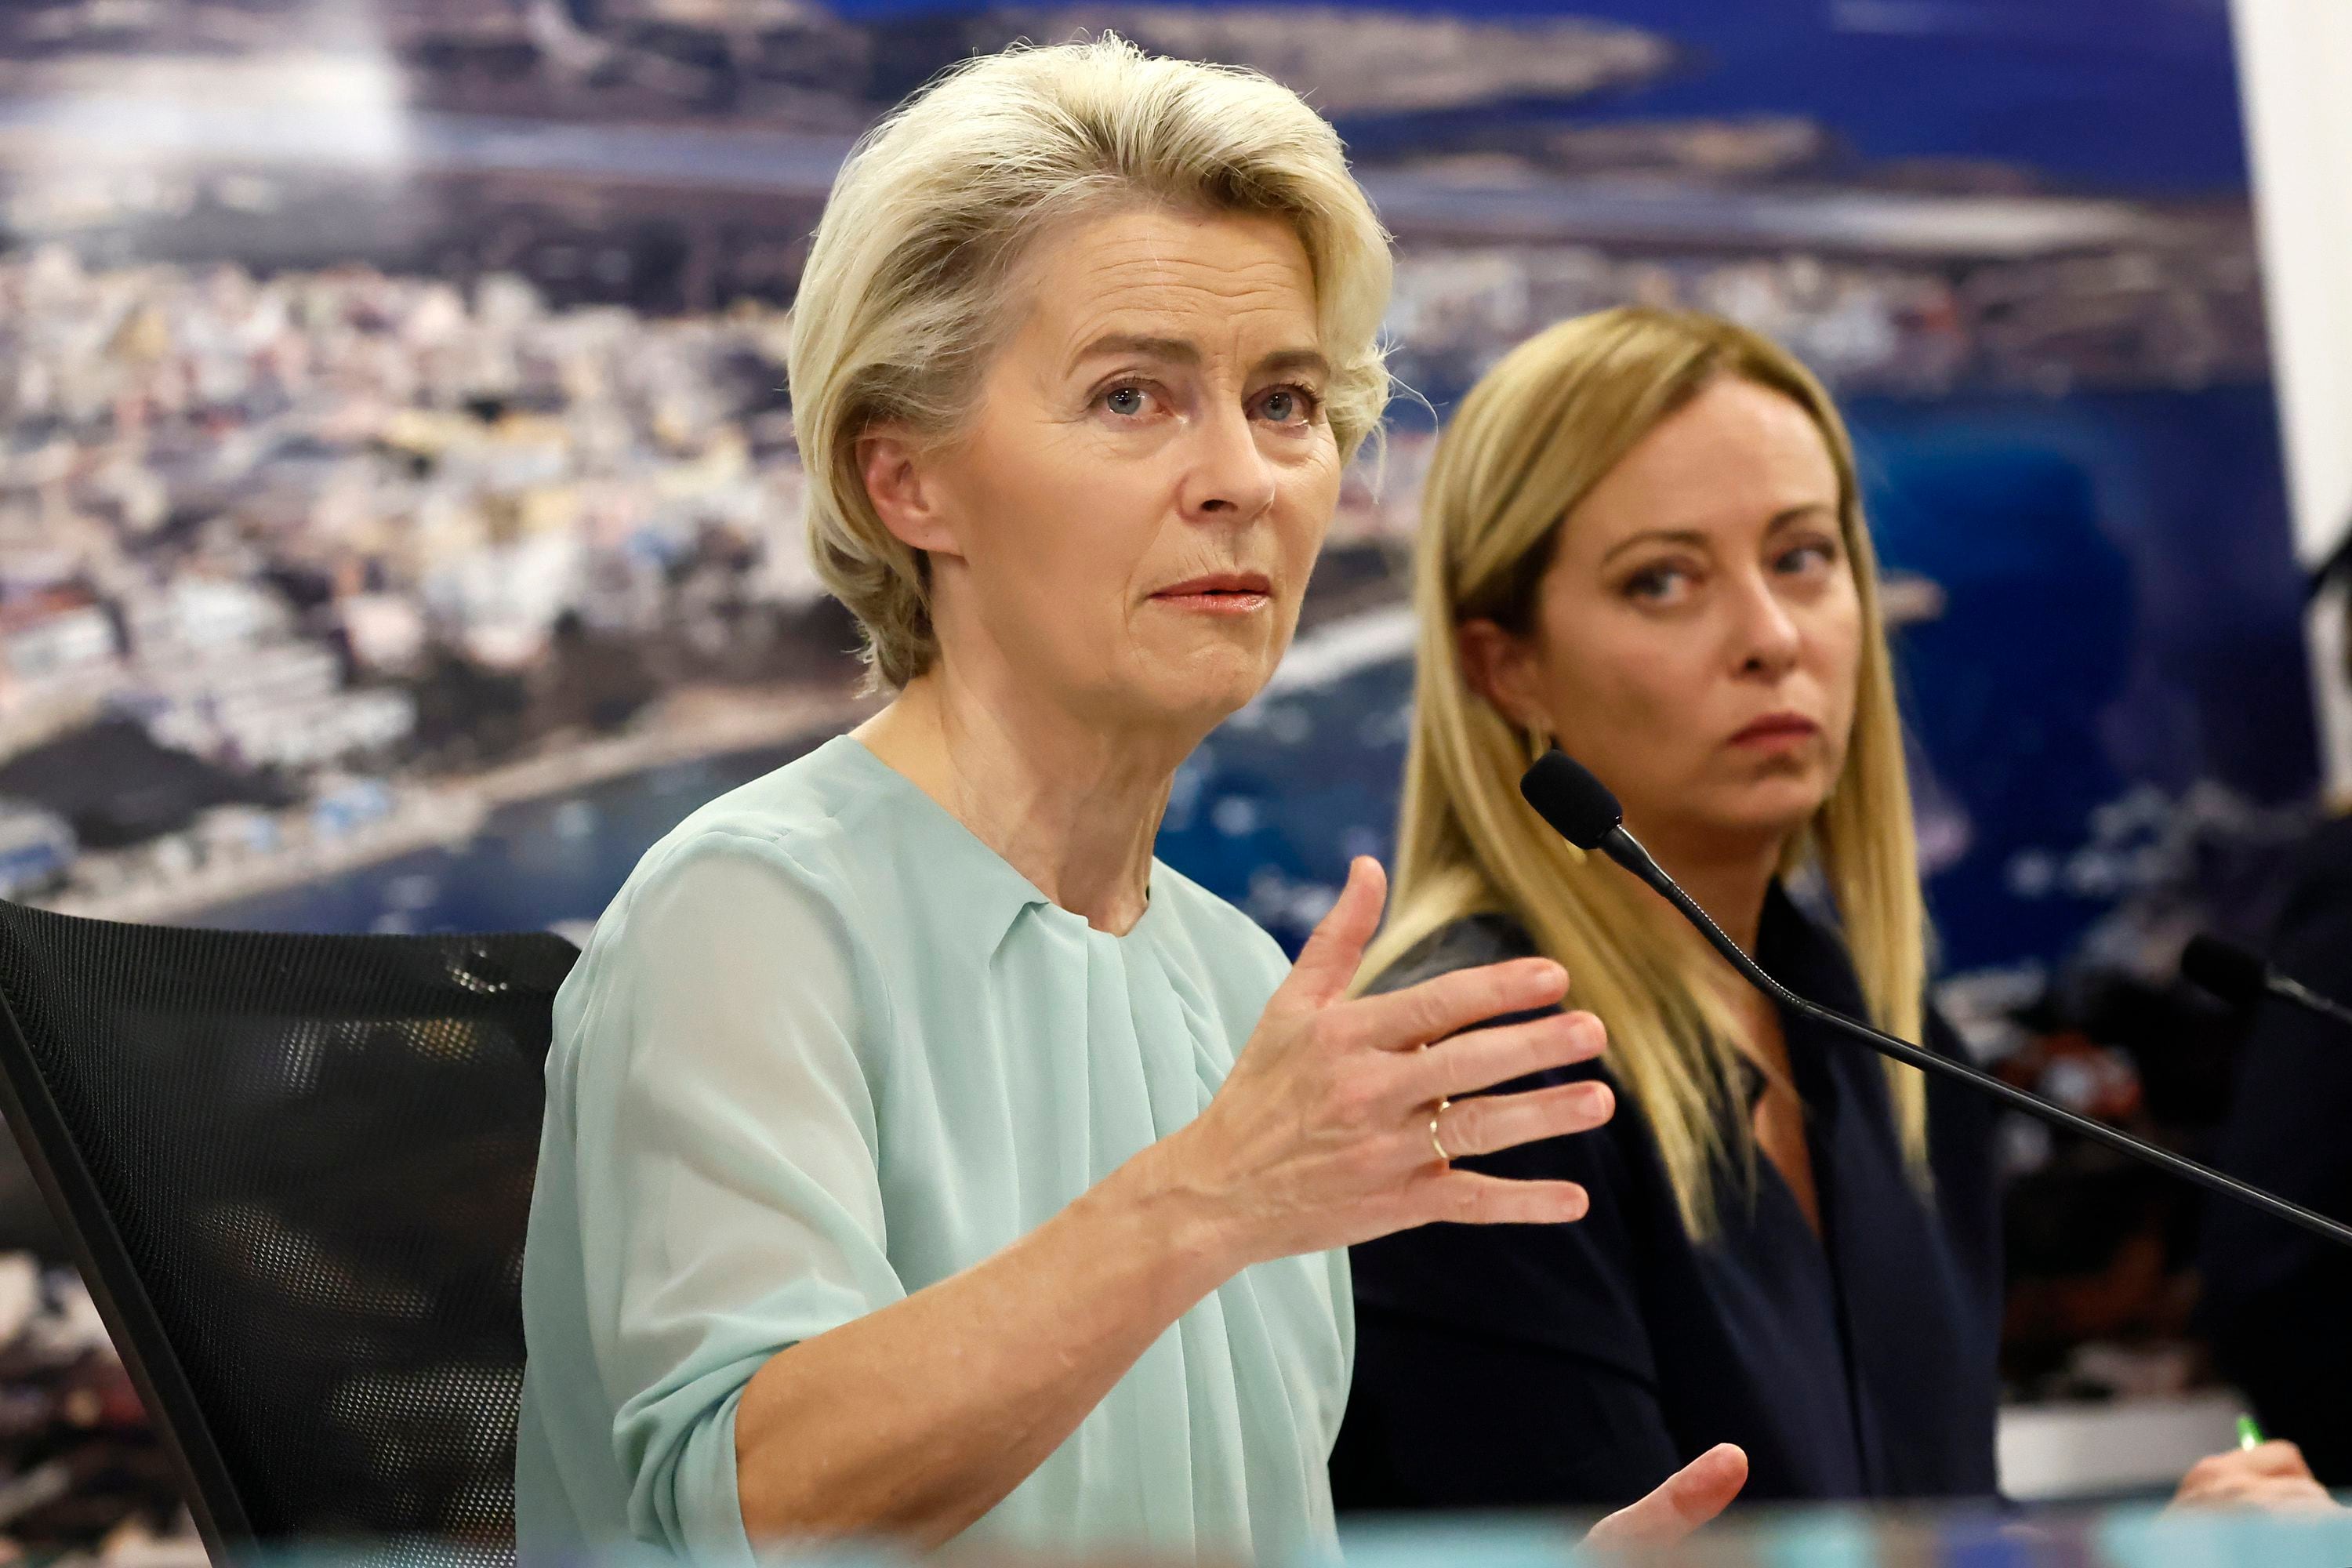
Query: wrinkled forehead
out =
(1224, 287)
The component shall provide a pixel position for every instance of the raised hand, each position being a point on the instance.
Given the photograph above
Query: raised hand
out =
(1322, 1135)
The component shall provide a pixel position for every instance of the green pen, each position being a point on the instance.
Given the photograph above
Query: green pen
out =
(2250, 1433)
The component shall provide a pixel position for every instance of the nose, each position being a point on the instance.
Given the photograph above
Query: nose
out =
(1229, 480)
(1768, 639)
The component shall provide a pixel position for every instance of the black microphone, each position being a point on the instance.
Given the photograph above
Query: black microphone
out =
(1580, 807)
(2241, 979)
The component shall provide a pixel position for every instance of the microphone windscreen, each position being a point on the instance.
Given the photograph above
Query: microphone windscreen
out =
(2232, 973)
(1566, 794)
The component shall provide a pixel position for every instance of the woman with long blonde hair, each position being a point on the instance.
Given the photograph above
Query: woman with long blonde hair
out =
(1642, 543)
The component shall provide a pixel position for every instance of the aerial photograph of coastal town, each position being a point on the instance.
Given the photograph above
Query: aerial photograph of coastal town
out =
(396, 435)
(400, 512)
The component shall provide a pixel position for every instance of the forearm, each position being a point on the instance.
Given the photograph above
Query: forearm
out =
(915, 1420)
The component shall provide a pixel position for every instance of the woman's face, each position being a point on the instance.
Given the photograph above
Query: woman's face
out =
(1697, 633)
(1129, 522)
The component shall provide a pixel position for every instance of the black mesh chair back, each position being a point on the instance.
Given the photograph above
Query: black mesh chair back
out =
(298, 1171)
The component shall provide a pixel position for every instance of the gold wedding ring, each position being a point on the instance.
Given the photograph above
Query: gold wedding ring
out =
(1435, 1140)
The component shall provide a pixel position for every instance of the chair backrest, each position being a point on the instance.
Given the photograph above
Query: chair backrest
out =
(298, 1171)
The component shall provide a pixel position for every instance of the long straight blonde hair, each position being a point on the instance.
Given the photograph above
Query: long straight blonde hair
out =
(1527, 445)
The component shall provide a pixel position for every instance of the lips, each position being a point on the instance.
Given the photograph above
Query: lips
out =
(1219, 593)
(1777, 729)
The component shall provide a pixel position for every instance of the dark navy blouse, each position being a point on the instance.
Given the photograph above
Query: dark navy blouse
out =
(1583, 1364)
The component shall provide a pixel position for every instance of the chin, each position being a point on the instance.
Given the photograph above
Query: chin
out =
(1776, 807)
(1210, 683)
(1211, 704)
(1170, 700)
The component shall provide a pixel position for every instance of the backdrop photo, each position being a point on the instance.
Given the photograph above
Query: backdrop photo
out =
(400, 511)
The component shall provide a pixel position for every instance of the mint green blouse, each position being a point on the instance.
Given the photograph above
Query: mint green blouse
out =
(825, 1049)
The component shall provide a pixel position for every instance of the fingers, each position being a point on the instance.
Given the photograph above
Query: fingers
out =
(1454, 1002)
(2276, 1494)
(1326, 965)
(1464, 1198)
(1689, 1498)
(2276, 1457)
(2271, 1476)
(1485, 1057)
(2218, 1472)
(2291, 1495)
(1482, 1126)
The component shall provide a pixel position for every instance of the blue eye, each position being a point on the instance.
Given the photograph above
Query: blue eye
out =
(1289, 404)
(1125, 400)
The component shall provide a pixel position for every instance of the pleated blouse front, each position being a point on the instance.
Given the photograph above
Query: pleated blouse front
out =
(826, 1048)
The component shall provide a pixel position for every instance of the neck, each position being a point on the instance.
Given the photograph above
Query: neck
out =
(1072, 805)
(1728, 878)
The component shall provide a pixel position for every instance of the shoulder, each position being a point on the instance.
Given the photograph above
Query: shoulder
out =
(815, 827)
(1465, 943)
(811, 813)
(761, 881)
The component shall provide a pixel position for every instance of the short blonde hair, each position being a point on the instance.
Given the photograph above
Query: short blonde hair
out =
(902, 301)
(1530, 442)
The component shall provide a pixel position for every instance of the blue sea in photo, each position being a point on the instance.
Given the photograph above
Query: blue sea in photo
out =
(2082, 545)
(2122, 608)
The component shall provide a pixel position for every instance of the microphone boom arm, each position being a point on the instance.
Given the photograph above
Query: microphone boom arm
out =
(1622, 848)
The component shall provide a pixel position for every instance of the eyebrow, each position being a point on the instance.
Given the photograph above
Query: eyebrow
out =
(1179, 351)
(1291, 360)
(1694, 537)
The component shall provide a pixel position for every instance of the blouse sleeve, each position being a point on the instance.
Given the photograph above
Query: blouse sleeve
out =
(724, 1128)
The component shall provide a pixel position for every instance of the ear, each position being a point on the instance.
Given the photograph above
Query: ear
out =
(906, 493)
(1500, 666)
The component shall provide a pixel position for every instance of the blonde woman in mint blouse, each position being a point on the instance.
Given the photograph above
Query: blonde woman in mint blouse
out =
(921, 1158)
